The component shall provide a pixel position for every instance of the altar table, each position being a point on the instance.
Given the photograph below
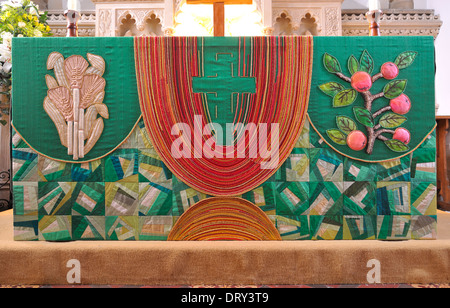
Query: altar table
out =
(224, 138)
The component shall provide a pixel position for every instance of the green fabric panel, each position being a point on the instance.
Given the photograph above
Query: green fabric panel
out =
(88, 228)
(352, 225)
(88, 199)
(420, 88)
(28, 115)
(222, 78)
(360, 198)
(55, 228)
(18, 193)
(54, 198)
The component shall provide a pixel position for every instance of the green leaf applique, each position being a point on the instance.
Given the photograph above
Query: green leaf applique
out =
(392, 120)
(337, 136)
(346, 124)
(331, 88)
(353, 65)
(366, 62)
(396, 146)
(363, 116)
(405, 59)
(345, 98)
(394, 88)
(331, 64)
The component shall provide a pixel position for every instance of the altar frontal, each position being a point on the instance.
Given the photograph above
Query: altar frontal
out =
(224, 138)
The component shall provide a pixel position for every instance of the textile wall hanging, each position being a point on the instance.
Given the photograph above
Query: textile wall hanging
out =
(128, 185)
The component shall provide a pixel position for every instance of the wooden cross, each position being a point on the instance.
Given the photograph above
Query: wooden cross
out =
(219, 12)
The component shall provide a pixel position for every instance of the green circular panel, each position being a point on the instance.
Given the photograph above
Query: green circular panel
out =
(336, 109)
(30, 119)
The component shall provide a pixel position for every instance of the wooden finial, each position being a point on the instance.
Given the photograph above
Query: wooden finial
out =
(374, 19)
(72, 22)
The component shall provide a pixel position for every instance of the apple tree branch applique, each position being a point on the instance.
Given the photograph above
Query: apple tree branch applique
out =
(381, 124)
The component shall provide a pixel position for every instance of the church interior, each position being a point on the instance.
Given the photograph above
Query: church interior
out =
(92, 95)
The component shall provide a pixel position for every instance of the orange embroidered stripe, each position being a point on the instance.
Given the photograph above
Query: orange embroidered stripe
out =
(220, 218)
(282, 68)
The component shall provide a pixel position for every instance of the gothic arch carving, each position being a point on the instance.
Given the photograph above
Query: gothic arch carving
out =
(296, 21)
(137, 22)
(282, 24)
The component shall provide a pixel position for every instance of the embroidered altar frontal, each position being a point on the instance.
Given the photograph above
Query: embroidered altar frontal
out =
(224, 138)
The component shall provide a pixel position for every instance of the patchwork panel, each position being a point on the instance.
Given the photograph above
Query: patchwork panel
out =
(346, 200)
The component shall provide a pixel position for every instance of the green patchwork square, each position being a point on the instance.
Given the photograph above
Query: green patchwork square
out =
(55, 198)
(155, 198)
(393, 198)
(325, 199)
(264, 197)
(293, 227)
(359, 171)
(183, 197)
(88, 172)
(155, 228)
(395, 170)
(296, 166)
(54, 171)
(423, 165)
(121, 198)
(393, 227)
(89, 199)
(88, 228)
(325, 165)
(327, 227)
(25, 196)
(122, 228)
(151, 168)
(360, 227)
(292, 199)
(24, 165)
(122, 165)
(360, 198)
(55, 228)
(26, 228)
(423, 198)
(423, 227)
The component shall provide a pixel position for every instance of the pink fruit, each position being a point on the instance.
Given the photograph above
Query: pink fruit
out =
(361, 81)
(356, 140)
(402, 134)
(401, 104)
(389, 71)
